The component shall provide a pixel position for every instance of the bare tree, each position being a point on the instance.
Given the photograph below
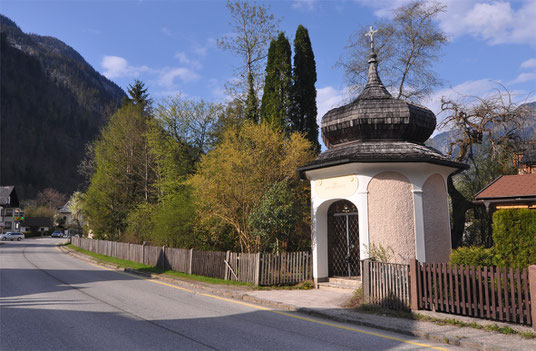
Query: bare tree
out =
(487, 133)
(253, 27)
(50, 198)
(191, 121)
(406, 46)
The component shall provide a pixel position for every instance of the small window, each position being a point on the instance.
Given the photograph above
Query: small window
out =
(9, 212)
(8, 225)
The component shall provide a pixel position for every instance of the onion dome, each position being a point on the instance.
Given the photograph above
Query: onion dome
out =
(377, 128)
(376, 115)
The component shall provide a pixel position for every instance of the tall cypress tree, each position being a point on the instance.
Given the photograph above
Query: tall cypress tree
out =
(277, 97)
(304, 112)
(251, 110)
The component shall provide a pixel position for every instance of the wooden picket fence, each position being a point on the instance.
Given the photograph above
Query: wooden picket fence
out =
(285, 268)
(500, 294)
(258, 268)
(386, 284)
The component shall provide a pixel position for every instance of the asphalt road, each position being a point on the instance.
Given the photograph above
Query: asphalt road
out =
(52, 301)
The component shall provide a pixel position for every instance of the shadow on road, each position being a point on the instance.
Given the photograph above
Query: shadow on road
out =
(20, 282)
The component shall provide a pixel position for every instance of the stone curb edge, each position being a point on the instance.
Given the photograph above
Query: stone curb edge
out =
(467, 343)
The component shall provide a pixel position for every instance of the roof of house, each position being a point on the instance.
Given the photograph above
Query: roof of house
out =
(509, 186)
(8, 196)
(65, 208)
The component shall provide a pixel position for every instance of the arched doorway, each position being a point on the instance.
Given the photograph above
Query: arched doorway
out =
(343, 240)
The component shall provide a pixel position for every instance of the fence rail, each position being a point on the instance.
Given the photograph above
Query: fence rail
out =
(500, 294)
(258, 269)
(386, 284)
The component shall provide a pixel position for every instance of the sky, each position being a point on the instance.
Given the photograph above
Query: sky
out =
(172, 45)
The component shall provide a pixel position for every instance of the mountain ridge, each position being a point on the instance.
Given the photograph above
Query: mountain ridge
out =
(53, 104)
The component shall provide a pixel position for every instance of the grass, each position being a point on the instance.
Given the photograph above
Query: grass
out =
(150, 269)
(357, 303)
(489, 327)
(306, 285)
(309, 284)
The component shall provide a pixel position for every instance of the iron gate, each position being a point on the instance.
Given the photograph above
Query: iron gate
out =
(343, 239)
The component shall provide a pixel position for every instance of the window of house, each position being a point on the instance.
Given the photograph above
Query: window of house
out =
(8, 225)
(9, 212)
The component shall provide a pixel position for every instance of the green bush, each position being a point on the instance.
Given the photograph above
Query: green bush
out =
(473, 256)
(514, 235)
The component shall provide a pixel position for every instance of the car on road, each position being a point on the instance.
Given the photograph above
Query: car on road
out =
(12, 236)
(56, 234)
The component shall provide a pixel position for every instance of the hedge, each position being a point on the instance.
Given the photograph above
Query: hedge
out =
(473, 256)
(514, 235)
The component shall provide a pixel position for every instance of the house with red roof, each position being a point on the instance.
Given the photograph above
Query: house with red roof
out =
(508, 192)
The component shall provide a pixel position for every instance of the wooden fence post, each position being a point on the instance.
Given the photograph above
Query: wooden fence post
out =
(257, 268)
(191, 259)
(227, 255)
(143, 252)
(413, 289)
(532, 287)
(365, 280)
(163, 256)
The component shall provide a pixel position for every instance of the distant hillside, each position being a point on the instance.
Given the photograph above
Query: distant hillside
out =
(52, 103)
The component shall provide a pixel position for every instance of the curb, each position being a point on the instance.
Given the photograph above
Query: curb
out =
(237, 295)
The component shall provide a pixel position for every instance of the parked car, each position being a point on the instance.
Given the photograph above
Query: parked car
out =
(12, 236)
(56, 234)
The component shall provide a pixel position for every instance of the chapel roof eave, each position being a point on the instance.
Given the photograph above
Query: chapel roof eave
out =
(380, 152)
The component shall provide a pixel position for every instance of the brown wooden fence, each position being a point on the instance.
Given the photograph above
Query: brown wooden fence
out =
(258, 269)
(285, 268)
(500, 294)
(386, 284)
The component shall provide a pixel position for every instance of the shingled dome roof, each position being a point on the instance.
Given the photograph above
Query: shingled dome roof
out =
(377, 128)
(376, 115)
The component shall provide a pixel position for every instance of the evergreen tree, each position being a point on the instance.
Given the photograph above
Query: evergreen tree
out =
(303, 118)
(251, 111)
(276, 100)
(138, 94)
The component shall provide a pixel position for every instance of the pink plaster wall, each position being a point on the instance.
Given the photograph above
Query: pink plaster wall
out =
(436, 220)
(391, 215)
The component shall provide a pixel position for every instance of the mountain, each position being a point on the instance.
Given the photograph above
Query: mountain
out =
(52, 104)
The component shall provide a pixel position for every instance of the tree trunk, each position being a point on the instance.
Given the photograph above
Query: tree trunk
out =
(460, 205)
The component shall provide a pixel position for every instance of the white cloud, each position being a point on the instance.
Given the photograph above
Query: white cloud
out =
(481, 87)
(530, 63)
(309, 5)
(524, 77)
(116, 66)
(167, 32)
(496, 22)
(168, 76)
(202, 49)
(185, 60)
(328, 98)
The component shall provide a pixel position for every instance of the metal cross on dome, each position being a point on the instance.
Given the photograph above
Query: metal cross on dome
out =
(370, 34)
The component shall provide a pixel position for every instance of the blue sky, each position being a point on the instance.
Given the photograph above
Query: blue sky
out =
(171, 45)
